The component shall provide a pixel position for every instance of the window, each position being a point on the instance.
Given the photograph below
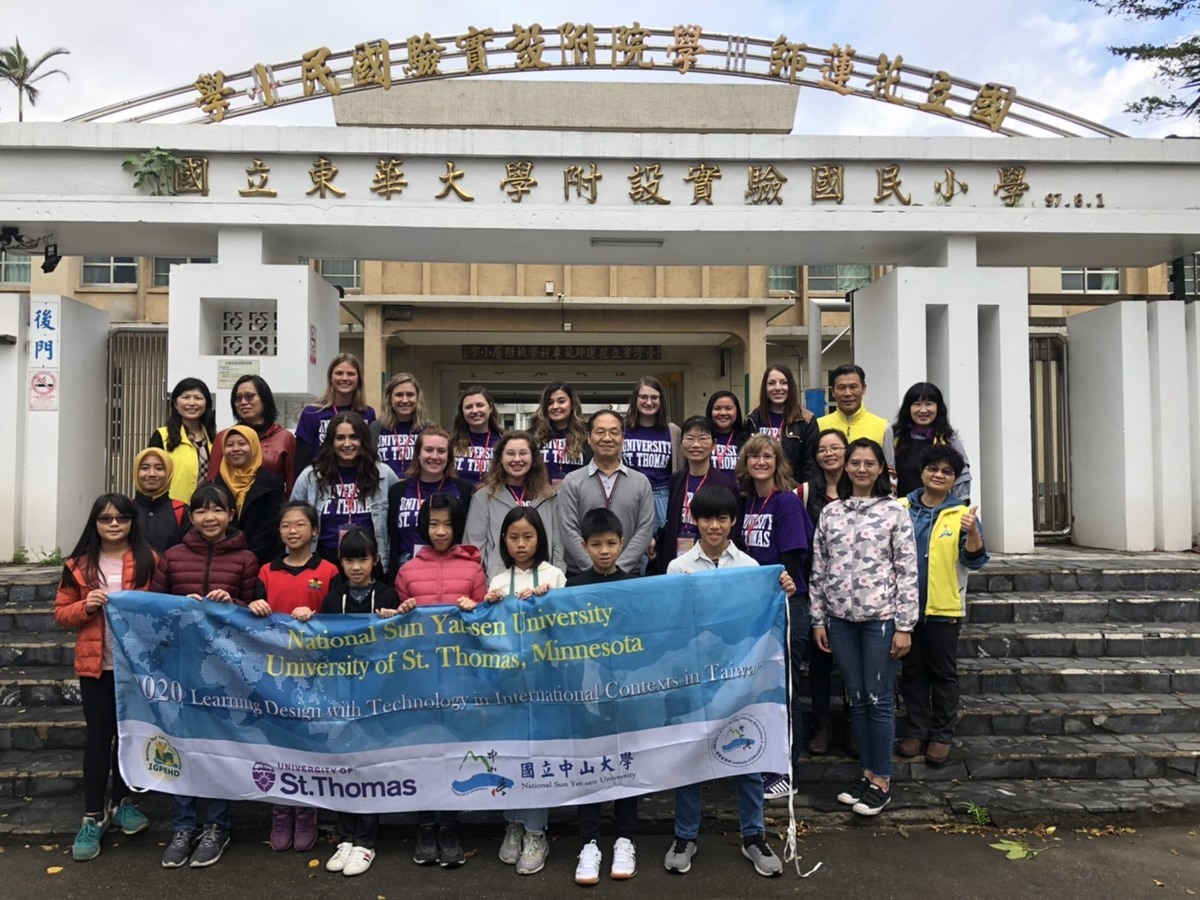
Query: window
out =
(838, 279)
(1081, 280)
(344, 273)
(783, 278)
(110, 270)
(14, 268)
(1191, 274)
(162, 267)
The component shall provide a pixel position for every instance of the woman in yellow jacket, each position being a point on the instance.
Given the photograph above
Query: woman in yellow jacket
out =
(188, 436)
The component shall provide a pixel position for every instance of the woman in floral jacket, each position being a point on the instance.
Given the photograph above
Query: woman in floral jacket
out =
(864, 600)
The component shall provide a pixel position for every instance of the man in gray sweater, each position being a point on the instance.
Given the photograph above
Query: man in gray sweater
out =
(606, 482)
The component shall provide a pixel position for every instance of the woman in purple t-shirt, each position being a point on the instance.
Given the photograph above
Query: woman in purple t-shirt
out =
(400, 421)
(652, 442)
(475, 433)
(775, 528)
(343, 393)
(560, 431)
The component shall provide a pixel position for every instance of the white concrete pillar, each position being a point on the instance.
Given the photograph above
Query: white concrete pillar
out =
(1112, 459)
(1191, 409)
(965, 329)
(14, 324)
(1170, 425)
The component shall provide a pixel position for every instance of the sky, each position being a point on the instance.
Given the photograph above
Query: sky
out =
(1053, 51)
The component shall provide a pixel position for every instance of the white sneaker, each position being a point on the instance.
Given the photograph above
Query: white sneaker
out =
(360, 860)
(624, 864)
(534, 851)
(510, 847)
(337, 862)
(588, 870)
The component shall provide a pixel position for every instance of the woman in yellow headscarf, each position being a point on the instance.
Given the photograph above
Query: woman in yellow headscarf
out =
(257, 493)
(163, 520)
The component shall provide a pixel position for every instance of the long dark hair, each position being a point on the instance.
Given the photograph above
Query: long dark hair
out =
(270, 410)
(632, 415)
(86, 555)
(818, 486)
(792, 410)
(737, 409)
(530, 515)
(325, 466)
(902, 427)
(460, 433)
(542, 429)
(208, 421)
(883, 484)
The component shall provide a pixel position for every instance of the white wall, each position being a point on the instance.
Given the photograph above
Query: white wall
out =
(14, 320)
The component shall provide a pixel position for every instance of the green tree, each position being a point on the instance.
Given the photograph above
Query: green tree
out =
(22, 73)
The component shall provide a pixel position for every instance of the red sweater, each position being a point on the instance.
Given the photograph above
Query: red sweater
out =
(439, 579)
(286, 591)
(194, 566)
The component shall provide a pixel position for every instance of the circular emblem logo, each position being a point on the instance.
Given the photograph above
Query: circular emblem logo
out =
(264, 776)
(739, 742)
(162, 759)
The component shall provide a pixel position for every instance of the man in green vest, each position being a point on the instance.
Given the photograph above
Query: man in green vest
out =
(949, 543)
(851, 418)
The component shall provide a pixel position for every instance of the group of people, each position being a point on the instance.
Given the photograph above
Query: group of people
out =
(378, 515)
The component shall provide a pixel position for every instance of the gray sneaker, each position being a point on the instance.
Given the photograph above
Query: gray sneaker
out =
(534, 851)
(758, 851)
(679, 857)
(213, 841)
(510, 848)
(180, 848)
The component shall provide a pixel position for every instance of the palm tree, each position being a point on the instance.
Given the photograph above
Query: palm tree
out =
(18, 70)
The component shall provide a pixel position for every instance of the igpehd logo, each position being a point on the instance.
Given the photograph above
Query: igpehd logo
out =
(740, 742)
(162, 759)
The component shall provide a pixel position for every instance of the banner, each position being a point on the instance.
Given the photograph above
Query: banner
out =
(583, 695)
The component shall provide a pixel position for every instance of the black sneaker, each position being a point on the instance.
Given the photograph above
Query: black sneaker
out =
(854, 794)
(426, 851)
(450, 854)
(873, 801)
(213, 841)
(180, 848)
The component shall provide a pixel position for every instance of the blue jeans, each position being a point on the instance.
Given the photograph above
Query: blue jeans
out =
(862, 651)
(531, 819)
(661, 495)
(749, 790)
(185, 813)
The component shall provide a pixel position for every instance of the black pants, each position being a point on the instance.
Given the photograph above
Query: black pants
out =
(360, 829)
(800, 629)
(99, 698)
(820, 682)
(929, 680)
(625, 814)
(446, 817)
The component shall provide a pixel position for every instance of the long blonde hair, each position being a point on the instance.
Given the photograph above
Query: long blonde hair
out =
(783, 469)
(387, 416)
(359, 403)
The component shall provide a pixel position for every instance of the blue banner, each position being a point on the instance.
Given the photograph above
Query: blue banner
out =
(582, 695)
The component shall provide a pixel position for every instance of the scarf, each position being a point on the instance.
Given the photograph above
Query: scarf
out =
(240, 480)
(167, 464)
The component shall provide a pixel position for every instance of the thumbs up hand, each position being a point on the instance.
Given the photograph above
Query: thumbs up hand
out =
(970, 521)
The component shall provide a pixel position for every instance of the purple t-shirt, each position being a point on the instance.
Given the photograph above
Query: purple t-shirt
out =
(416, 493)
(554, 453)
(473, 464)
(772, 425)
(345, 507)
(725, 452)
(395, 446)
(314, 422)
(687, 522)
(648, 450)
(774, 525)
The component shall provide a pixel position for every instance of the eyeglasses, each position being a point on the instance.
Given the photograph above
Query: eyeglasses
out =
(940, 470)
(696, 439)
(825, 451)
(108, 520)
(244, 398)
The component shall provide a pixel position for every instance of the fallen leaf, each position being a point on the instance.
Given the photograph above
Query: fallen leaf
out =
(49, 847)
(1052, 829)
(1174, 852)
(1189, 892)
(1158, 883)
(903, 831)
(470, 853)
(53, 870)
(313, 863)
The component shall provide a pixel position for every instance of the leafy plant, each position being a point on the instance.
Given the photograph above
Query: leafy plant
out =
(53, 558)
(155, 168)
(20, 556)
(979, 814)
(1015, 849)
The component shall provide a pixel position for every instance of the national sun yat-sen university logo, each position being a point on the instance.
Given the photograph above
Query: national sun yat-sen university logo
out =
(740, 741)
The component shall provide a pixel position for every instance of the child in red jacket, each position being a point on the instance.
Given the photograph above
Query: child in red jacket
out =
(442, 573)
(112, 555)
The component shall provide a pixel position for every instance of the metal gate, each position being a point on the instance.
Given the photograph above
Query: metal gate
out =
(1052, 515)
(137, 398)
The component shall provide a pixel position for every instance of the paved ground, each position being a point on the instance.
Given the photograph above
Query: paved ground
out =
(873, 860)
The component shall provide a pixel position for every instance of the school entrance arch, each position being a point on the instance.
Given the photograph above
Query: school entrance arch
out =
(959, 219)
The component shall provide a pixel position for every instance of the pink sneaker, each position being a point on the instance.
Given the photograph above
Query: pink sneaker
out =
(281, 827)
(306, 829)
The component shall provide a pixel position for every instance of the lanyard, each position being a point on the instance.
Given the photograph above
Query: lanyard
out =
(512, 580)
(608, 495)
(688, 492)
(353, 498)
(346, 593)
(520, 498)
(437, 490)
(777, 429)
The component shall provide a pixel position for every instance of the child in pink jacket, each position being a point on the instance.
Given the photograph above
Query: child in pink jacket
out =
(441, 573)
